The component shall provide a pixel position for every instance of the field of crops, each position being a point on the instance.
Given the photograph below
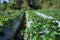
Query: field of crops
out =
(39, 28)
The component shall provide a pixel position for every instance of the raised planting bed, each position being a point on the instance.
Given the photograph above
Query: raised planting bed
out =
(12, 24)
(38, 28)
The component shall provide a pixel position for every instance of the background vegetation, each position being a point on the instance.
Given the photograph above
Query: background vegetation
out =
(34, 4)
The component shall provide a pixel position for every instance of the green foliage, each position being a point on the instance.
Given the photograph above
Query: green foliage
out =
(40, 28)
(53, 13)
(7, 18)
